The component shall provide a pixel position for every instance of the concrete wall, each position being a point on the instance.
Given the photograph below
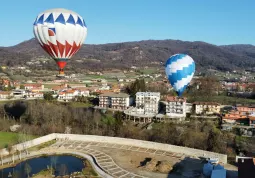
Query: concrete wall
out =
(145, 144)
(34, 142)
(124, 141)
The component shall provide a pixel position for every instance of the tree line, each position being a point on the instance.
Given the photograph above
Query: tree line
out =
(43, 117)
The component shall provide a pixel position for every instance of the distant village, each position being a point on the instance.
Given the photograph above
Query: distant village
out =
(145, 107)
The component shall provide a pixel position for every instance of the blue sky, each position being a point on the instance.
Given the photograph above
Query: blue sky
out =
(213, 21)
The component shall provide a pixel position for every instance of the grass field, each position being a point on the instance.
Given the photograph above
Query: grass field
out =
(80, 105)
(94, 77)
(149, 71)
(50, 85)
(9, 138)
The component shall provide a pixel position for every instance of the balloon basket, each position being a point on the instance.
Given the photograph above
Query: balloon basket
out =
(61, 75)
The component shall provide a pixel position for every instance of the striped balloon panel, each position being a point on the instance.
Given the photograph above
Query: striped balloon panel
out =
(180, 69)
(60, 32)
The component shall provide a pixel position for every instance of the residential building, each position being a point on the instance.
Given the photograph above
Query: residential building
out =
(58, 88)
(188, 108)
(206, 107)
(19, 93)
(147, 102)
(76, 85)
(5, 94)
(104, 87)
(234, 116)
(247, 109)
(68, 94)
(30, 95)
(5, 82)
(118, 101)
(83, 92)
(175, 106)
(34, 86)
(252, 120)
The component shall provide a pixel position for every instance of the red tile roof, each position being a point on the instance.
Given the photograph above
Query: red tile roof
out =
(174, 98)
(206, 103)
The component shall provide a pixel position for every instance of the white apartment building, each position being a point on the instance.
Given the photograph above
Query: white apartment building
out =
(189, 107)
(33, 95)
(68, 94)
(19, 93)
(206, 107)
(118, 101)
(5, 94)
(83, 92)
(175, 106)
(147, 102)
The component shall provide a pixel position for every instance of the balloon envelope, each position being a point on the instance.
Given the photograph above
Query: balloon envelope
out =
(61, 33)
(180, 69)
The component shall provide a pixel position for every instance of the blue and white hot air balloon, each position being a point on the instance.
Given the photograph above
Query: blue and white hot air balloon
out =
(180, 69)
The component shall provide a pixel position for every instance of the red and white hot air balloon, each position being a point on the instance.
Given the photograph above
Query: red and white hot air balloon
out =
(61, 33)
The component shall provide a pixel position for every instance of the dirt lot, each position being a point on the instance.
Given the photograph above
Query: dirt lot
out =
(131, 161)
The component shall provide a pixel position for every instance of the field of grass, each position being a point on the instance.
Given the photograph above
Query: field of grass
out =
(80, 105)
(49, 85)
(87, 77)
(148, 71)
(9, 138)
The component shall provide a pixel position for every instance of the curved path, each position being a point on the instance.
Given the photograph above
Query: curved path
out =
(104, 161)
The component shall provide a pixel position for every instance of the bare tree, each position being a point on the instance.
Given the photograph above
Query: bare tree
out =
(63, 170)
(11, 152)
(27, 169)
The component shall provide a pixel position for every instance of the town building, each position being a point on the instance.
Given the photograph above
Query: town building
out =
(234, 116)
(175, 106)
(252, 121)
(189, 108)
(59, 88)
(68, 95)
(83, 92)
(76, 85)
(33, 86)
(147, 102)
(206, 108)
(19, 93)
(247, 109)
(118, 101)
(5, 94)
(33, 95)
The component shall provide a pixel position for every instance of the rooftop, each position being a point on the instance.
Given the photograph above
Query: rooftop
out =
(206, 103)
(111, 94)
(5, 93)
(148, 94)
(32, 85)
(174, 98)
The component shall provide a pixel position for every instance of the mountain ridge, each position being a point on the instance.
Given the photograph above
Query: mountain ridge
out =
(141, 53)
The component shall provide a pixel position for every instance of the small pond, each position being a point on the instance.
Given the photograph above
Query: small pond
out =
(62, 164)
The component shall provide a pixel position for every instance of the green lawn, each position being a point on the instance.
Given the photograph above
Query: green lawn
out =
(80, 105)
(9, 138)
(94, 77)
(149, 70)
(50, 85)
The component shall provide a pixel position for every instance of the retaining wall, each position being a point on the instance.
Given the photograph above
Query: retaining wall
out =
(124, 141)
(146, 144)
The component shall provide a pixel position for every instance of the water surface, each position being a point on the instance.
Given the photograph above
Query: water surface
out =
(63, 165)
